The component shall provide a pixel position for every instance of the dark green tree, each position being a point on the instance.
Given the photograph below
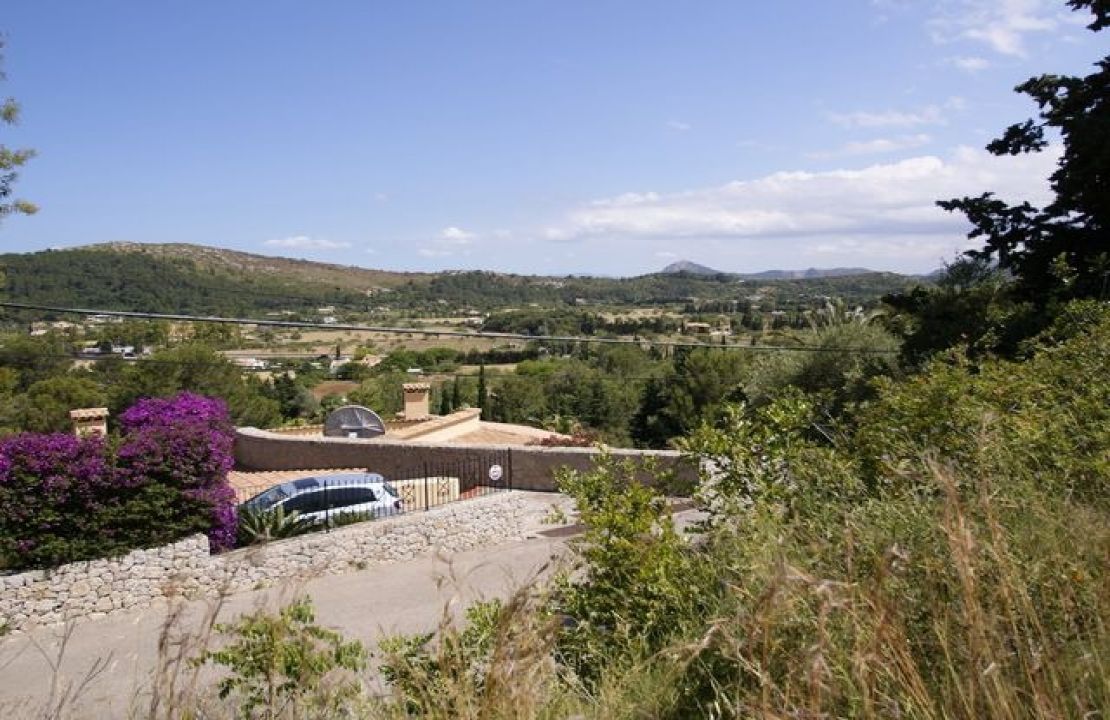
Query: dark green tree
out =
(518, 399)
(46, 406)
(1060, 251)
(35, 358)
(295, 399)
(483, 392)
(199, 369)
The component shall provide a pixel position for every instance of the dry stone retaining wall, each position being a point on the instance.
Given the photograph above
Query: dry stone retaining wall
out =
(96, 588)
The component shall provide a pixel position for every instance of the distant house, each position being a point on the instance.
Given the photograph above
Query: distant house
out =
(103, 319)
(697, 328)
(338, 363)
(251, 363)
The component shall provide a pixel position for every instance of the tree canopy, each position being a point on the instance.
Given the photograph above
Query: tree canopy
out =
(1058, 251)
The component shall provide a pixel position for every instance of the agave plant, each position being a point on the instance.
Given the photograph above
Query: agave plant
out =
(260, 526)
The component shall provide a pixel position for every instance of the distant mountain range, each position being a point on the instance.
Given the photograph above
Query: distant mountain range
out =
(693, 268)
(180, 278)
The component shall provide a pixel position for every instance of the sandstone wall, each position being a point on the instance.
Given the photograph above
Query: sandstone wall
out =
(533, 467)
(96, 588)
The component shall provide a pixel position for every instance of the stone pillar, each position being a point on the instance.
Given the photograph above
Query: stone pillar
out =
(89, 421)
(416, 400)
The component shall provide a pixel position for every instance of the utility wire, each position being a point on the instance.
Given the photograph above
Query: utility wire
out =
(479, 334)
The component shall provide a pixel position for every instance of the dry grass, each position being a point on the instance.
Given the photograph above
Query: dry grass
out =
(977, 643)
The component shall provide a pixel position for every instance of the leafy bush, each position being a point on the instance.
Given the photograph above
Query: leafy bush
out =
(54, 492)
(285, 665)
(184, 443)
(63, 498)
(1049, 415)
(414, 665)
(630, 589)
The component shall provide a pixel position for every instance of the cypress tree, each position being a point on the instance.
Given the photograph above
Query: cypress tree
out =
(483, 392)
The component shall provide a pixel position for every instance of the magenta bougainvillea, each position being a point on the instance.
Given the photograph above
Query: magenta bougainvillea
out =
(163, 477)
(184, 442)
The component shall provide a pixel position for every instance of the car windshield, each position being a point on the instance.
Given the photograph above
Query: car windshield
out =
(270, 498)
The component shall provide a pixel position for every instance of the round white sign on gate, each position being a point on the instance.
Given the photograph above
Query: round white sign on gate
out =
(495, 472)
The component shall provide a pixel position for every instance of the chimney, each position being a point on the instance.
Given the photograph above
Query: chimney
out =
(416, 400)
(89, 421)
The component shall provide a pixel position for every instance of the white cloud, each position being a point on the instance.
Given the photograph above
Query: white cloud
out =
(876, 146)
(968, 63)
(928, 115)
(450, 241)
(304, 242)
(1001, 25)
(456, 236)
(678, 125)
(881, 210)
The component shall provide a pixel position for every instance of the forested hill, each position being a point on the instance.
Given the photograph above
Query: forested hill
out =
(204, 280)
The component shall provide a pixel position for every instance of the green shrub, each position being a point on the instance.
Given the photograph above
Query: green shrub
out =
(285, 665)
(261, 526)
(1048, 415)
(630, 585)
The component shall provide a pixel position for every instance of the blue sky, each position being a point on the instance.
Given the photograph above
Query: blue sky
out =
(538, 137)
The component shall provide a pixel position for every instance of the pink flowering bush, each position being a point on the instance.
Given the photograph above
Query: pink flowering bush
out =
(164, 477)
(184, 443)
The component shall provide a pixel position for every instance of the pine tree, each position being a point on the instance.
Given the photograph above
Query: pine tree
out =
(1060, 250)
(483, 392)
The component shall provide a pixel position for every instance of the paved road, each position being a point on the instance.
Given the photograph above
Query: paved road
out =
(368, 604)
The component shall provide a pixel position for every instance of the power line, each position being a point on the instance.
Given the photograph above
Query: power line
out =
(479, 334)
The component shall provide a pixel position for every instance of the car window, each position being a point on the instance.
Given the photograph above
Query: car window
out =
(346, 496)
(306, 503)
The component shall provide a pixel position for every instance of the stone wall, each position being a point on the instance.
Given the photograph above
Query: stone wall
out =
(98, 587)
(533, 466)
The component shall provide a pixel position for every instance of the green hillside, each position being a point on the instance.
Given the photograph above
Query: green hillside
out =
(203, 280)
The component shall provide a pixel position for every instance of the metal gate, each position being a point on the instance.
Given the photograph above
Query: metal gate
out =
(441, 481)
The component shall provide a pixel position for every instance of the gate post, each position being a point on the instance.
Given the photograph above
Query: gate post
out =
(427, 504)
